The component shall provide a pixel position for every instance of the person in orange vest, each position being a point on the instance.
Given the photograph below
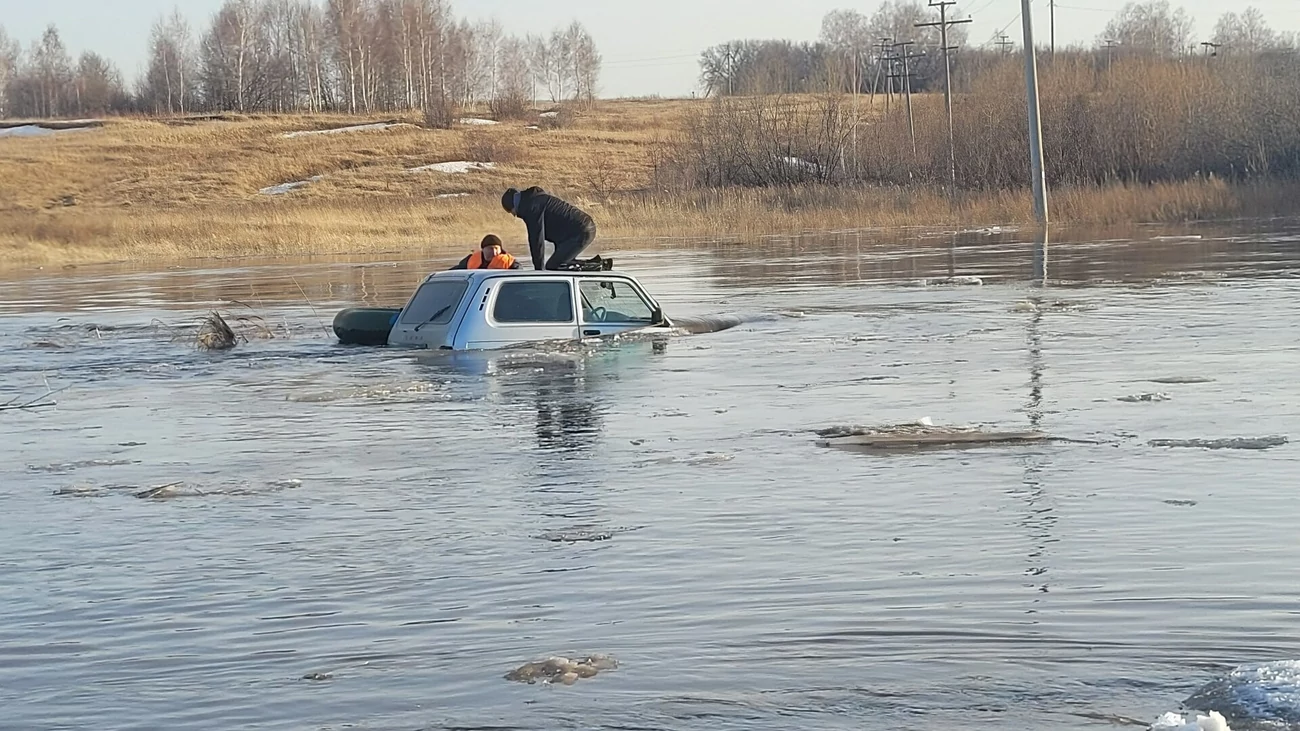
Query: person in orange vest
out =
(490, 255)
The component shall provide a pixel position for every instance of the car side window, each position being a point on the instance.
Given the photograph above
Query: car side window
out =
(613, 300)
(533, 302)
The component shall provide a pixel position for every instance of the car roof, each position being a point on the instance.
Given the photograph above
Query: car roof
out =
(479, 274)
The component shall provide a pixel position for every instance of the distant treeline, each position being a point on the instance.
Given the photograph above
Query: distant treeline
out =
(857, 51)
(1131, 120)
(295, 55)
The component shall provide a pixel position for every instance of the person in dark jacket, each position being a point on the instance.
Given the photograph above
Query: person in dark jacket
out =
(550, 218)
(490, 255)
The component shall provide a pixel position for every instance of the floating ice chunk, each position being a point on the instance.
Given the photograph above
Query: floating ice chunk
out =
(1234, 443)
(1174, 722)
(458, 166)
(1144, 397)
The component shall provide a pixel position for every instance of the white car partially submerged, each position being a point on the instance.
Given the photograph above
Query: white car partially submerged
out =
(483, 309)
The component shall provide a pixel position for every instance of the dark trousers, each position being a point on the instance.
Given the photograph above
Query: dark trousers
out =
(567, 250)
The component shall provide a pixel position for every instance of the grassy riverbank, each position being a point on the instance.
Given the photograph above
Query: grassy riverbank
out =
(169, 190)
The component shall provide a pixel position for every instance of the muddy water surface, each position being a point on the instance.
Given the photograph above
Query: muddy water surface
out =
(352, 537)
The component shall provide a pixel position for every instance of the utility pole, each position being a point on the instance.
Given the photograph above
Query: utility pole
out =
(1051, 9)
(943, 24)
(1004, 43)
(907, 87)
(1211, 45)
(1037, 174)
(882, 60)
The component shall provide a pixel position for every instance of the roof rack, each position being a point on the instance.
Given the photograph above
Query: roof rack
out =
(594, 264)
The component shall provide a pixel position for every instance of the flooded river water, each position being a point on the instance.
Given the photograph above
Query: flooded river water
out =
(369, 538)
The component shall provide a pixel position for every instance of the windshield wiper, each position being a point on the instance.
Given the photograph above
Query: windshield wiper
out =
(433, 317)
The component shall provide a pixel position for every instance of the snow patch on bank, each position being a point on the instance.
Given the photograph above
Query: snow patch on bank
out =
(476, 120)
(353, 128)
(283, 188)
(457, 166)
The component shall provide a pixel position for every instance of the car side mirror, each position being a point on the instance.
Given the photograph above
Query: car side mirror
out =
(657, 316)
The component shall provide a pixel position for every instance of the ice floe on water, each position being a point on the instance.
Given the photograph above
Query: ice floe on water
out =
(919, 434)
(283, 188)
(1267, 442)
(352, 128)
(556, 669)
(1175, 722)
(1139, 398)
(456, 166)
(958, 281)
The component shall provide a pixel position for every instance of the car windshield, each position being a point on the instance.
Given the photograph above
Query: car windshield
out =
(437, 297)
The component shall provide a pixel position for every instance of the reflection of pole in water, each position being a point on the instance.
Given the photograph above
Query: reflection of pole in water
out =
(1040, 258)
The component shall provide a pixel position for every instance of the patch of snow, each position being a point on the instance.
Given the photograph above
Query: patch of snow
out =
(283, 188)
(532, 126)
(336, 130)
(800, 163)
(458, 166)
(452, 195)
(476, 120)
(549, 115)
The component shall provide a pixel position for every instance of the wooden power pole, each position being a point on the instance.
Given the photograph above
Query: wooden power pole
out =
(907, 88)
(943, 24)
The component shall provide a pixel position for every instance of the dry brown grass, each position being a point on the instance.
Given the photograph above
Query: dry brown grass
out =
(175, 189)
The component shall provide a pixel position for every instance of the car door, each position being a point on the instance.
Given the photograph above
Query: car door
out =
(525, 309)
(612, 305)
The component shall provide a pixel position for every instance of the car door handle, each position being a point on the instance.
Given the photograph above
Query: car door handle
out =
(590, 332)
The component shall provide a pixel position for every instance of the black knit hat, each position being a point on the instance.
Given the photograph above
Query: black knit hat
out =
(491, 240)
(508, 200)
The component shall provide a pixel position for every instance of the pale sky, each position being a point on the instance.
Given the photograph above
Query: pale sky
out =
(649, 46)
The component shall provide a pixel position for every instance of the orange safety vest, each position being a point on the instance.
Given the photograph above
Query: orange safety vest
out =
(502, 261)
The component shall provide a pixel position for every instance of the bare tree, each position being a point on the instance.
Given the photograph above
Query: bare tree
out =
(847, 35)
(540, 63)
(346, 24)
(560, 79)
(1151, 27)
(170, 80)
(10, 53)
(514, 85)
(586, 62)
(1246, 33)
(98, 86)
(51, 70)
(226, 56)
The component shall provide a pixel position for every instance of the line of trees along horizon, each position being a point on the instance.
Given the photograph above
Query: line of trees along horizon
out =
(847, 54)
(1144, 108)
(296, 55)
